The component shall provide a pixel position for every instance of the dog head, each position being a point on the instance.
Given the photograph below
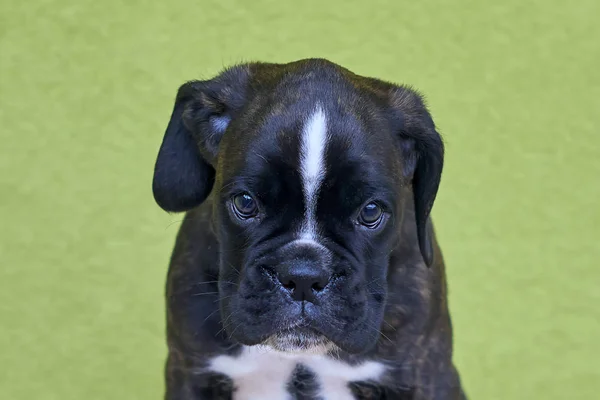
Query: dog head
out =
(308, 168)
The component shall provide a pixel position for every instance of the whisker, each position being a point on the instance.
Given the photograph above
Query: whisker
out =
(224, 323)
(234, 268)
(390, 325)
(204, 294)
(205, 282)
(383, 334)
(209, 315)
(223, 298)
(228, 185)
(373, 281)
(172, 223)
(261, 156)
(209, 282)
(192, 284)
(236, 328)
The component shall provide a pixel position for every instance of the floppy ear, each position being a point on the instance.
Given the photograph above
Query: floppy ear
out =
(184, 171)
(423, 152)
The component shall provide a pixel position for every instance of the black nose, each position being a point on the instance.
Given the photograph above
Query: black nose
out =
(303, 279)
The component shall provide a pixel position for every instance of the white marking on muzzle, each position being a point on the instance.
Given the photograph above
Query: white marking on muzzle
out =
(312, 168)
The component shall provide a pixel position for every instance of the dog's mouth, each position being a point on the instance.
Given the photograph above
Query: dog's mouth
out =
(299, 339)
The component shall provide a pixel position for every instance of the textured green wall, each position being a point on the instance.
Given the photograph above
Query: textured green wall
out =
(86, 88)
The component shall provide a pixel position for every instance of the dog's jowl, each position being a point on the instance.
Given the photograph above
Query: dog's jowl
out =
(307, 265)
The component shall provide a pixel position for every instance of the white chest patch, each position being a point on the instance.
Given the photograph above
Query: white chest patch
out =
(260, 373)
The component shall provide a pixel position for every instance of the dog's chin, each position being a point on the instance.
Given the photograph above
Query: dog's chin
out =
(299, 341)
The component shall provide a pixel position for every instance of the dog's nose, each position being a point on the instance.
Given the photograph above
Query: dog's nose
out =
(303, 280)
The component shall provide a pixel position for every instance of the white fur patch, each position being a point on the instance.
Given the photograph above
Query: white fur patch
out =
(312, 168)
(219, 124)
(260, 373)
(256, 374)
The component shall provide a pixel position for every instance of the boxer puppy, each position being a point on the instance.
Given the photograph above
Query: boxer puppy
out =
(306, 266)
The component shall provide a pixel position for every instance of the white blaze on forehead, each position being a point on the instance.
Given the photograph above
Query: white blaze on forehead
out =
(312, 167)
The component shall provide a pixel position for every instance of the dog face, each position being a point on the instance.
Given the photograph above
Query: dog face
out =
(309, 168)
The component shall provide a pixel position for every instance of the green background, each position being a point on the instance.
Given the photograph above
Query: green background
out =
(86, 89)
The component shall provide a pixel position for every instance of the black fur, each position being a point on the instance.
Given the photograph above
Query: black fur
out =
(239, 133)
(184, 172)
(303, 384)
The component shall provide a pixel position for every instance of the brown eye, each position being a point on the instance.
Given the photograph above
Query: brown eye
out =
(371, 215)
(244, 206)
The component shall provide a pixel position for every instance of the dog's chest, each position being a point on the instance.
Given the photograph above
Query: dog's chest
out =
(262, 374)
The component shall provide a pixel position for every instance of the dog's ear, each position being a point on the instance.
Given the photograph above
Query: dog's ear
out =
(184, 172)
(423, 155)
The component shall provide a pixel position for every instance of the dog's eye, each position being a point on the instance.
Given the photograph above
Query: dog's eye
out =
(244, 206)
(371, 215)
